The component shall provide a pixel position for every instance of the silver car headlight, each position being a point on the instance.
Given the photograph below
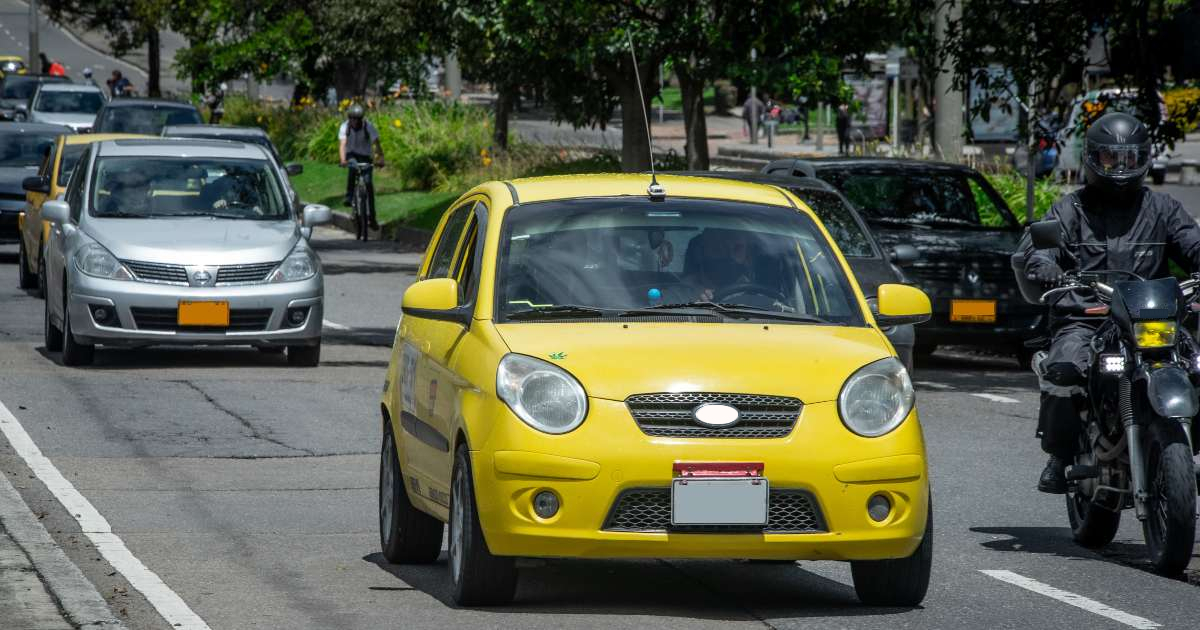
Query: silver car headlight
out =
(543, 395)
(96, 261)
(299, 265)
(876, 398)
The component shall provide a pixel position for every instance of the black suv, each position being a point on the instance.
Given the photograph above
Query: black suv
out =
(15, 91)
(964, 233)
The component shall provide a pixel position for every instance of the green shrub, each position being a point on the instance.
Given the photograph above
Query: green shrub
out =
(1011, 186)
(288, 127)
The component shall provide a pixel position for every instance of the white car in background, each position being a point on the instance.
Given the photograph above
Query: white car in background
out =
(68, 104)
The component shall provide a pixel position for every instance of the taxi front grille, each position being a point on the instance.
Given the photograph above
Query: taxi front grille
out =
(670, 414)
(789, 511)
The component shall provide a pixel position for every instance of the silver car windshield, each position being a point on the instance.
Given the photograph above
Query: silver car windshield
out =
(68, 102)
(158, 187)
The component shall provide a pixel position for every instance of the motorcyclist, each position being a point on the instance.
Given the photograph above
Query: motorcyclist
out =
(357, 140)
(1112, 223)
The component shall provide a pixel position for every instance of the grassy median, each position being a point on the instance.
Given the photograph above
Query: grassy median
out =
(326, 184)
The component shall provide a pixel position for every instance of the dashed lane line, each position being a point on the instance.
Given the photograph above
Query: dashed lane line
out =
(1067, 597)
(333, 325)
(996, 398)
(167, 602)
(933, 385)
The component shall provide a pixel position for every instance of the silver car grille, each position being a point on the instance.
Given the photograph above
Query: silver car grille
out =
(670, 414)
(789, 511)
(157, 272)
(244, 274)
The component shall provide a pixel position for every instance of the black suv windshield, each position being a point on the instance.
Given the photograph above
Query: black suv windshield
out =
(163, 187)
(839, 220)
(23, 87)
(148, 119)
(24, 149)
(923, 198)
(622, 256)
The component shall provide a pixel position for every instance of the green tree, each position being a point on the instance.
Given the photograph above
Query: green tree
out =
(128, 24)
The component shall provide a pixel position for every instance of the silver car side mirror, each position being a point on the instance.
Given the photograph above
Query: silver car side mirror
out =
(56, 212)
(317, 214)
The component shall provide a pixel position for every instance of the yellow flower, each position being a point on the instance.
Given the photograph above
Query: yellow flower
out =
(487, 161)
(483, 153)
(397, 123)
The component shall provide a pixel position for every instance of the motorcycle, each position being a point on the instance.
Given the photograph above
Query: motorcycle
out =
(1136, 444)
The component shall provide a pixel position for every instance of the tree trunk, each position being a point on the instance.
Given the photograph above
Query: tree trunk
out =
(504, 101)
(635, 151)
(695, 124)
(154, 61)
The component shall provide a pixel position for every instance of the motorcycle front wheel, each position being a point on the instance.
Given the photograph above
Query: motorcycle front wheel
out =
(1170, 525)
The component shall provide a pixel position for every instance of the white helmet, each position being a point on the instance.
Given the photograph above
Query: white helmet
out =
(87, 73)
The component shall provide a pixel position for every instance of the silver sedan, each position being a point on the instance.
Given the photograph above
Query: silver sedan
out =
(181, 242)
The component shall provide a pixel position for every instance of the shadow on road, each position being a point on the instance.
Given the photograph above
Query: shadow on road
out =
(359, 337)
(689, 589)
(335, 269)
(1057, 541)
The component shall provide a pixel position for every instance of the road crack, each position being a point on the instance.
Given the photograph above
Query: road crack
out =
(749, 611)
(255, 433)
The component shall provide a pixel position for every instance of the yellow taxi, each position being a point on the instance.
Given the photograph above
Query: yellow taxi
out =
(587, 367)
(50, 182)
(12, 64)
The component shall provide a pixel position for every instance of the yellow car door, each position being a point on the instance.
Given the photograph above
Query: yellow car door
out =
(32, 229)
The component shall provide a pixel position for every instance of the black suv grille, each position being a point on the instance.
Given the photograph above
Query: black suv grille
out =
(236, 274)
(649, 510)
(240, 320)
(157, 272)
(670, 414)
(958, 272)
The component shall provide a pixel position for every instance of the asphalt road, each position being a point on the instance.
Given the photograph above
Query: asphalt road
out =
(249, 488)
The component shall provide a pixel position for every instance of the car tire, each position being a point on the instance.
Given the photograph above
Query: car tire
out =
(406, 534)
(271, 349)
(25, 278)
(902, 582)
(74, 354)
(52, 336)
(922, 352)
(477, 578)
(304, 356)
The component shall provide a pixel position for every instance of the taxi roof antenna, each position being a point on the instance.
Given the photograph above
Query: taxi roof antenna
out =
(655, 190)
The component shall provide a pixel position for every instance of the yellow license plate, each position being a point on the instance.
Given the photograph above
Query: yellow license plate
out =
(973, 311)
(203, 313)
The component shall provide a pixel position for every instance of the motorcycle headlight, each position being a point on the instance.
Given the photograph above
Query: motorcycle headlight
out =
(94, 260)
(1154, 334)
(543, 395)
(876, 398)
(299, 265)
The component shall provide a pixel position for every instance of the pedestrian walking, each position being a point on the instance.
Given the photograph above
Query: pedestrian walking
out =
(771, 120)
(843, 129)
(45, 63)
(751, 110)
(87, 76)
(216, 105)
(118, 85)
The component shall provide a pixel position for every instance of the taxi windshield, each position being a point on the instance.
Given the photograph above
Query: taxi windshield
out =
(622, 257)
(161, 187)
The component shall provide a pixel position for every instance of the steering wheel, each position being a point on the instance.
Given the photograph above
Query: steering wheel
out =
(747, 288)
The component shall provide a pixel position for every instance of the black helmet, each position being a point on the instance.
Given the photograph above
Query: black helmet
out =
(1116, 153)
(355, 111)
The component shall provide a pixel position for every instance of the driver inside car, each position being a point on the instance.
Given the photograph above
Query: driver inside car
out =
(719, 260)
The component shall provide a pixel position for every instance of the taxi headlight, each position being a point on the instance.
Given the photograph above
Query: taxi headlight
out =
(96, 261)
(299, 265)
(543, 395)
(876, 398)
(1160, 334)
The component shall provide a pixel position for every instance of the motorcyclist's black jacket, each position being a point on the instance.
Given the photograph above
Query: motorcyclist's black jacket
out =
(1107, 233)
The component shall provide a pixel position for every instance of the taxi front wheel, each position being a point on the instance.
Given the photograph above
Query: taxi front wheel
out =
(478, 578)
(406, 534)
(901, 582)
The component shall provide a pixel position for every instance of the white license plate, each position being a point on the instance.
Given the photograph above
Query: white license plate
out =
(719, 501)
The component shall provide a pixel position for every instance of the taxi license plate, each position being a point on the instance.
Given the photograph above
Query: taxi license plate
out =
(206, 313)
(973, 311)
(719, 501)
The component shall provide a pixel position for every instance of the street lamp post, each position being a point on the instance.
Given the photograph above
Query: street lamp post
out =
(35, 63)
(753, 102)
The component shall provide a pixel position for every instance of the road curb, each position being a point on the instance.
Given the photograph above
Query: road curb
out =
(388, 231)
(76, 596)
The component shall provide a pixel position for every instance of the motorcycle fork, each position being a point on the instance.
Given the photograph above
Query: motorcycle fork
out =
(1133, 441)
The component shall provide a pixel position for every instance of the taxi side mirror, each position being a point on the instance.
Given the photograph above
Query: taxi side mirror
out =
(294, 168)
(36, 184)
(899, 304)
(435, 298)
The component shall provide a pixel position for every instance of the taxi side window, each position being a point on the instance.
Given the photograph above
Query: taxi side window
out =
(464, 268)
(48, 162)
(75, 188)
(443, 254)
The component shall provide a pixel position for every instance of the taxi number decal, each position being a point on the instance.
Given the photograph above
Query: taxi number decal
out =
(408, 379)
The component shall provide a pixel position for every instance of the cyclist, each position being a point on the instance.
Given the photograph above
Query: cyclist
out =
(358, 140)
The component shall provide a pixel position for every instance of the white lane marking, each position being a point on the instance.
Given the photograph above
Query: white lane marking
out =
(996, 398)
(932, 385)
(167, 602)
(1067, 597)
(334, 325)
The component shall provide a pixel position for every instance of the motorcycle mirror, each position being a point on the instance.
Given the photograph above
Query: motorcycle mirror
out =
(1046, 234)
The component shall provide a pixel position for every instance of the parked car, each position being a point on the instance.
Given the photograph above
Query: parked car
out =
(144, 116)
(23, 146)
(251, 135)
(584, 369)
(964, 233)
(49, 183)
(872, 263)
(15, 90)
(180, 242)
(69, 104)
(11, 64)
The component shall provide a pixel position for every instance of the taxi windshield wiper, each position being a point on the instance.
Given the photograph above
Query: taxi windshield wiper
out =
(561, 311)
(737, 311)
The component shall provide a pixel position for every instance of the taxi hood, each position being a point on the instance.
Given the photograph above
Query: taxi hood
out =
(617, 360)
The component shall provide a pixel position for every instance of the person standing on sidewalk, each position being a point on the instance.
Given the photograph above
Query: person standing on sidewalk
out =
(843, 129)
(751, 111)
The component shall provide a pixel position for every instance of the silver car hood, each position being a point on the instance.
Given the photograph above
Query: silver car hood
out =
(195, 240)
(67, 120)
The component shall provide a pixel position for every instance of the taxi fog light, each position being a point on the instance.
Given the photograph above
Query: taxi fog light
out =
(1159, 334)
(1112, 364)
(545, 504)
(103, 315)
(297, 315)
(879, 508)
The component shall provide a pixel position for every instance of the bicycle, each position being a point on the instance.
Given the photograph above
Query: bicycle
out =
(362, 211)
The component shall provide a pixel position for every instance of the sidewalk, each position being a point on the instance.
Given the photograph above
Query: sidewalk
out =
(24, 602)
